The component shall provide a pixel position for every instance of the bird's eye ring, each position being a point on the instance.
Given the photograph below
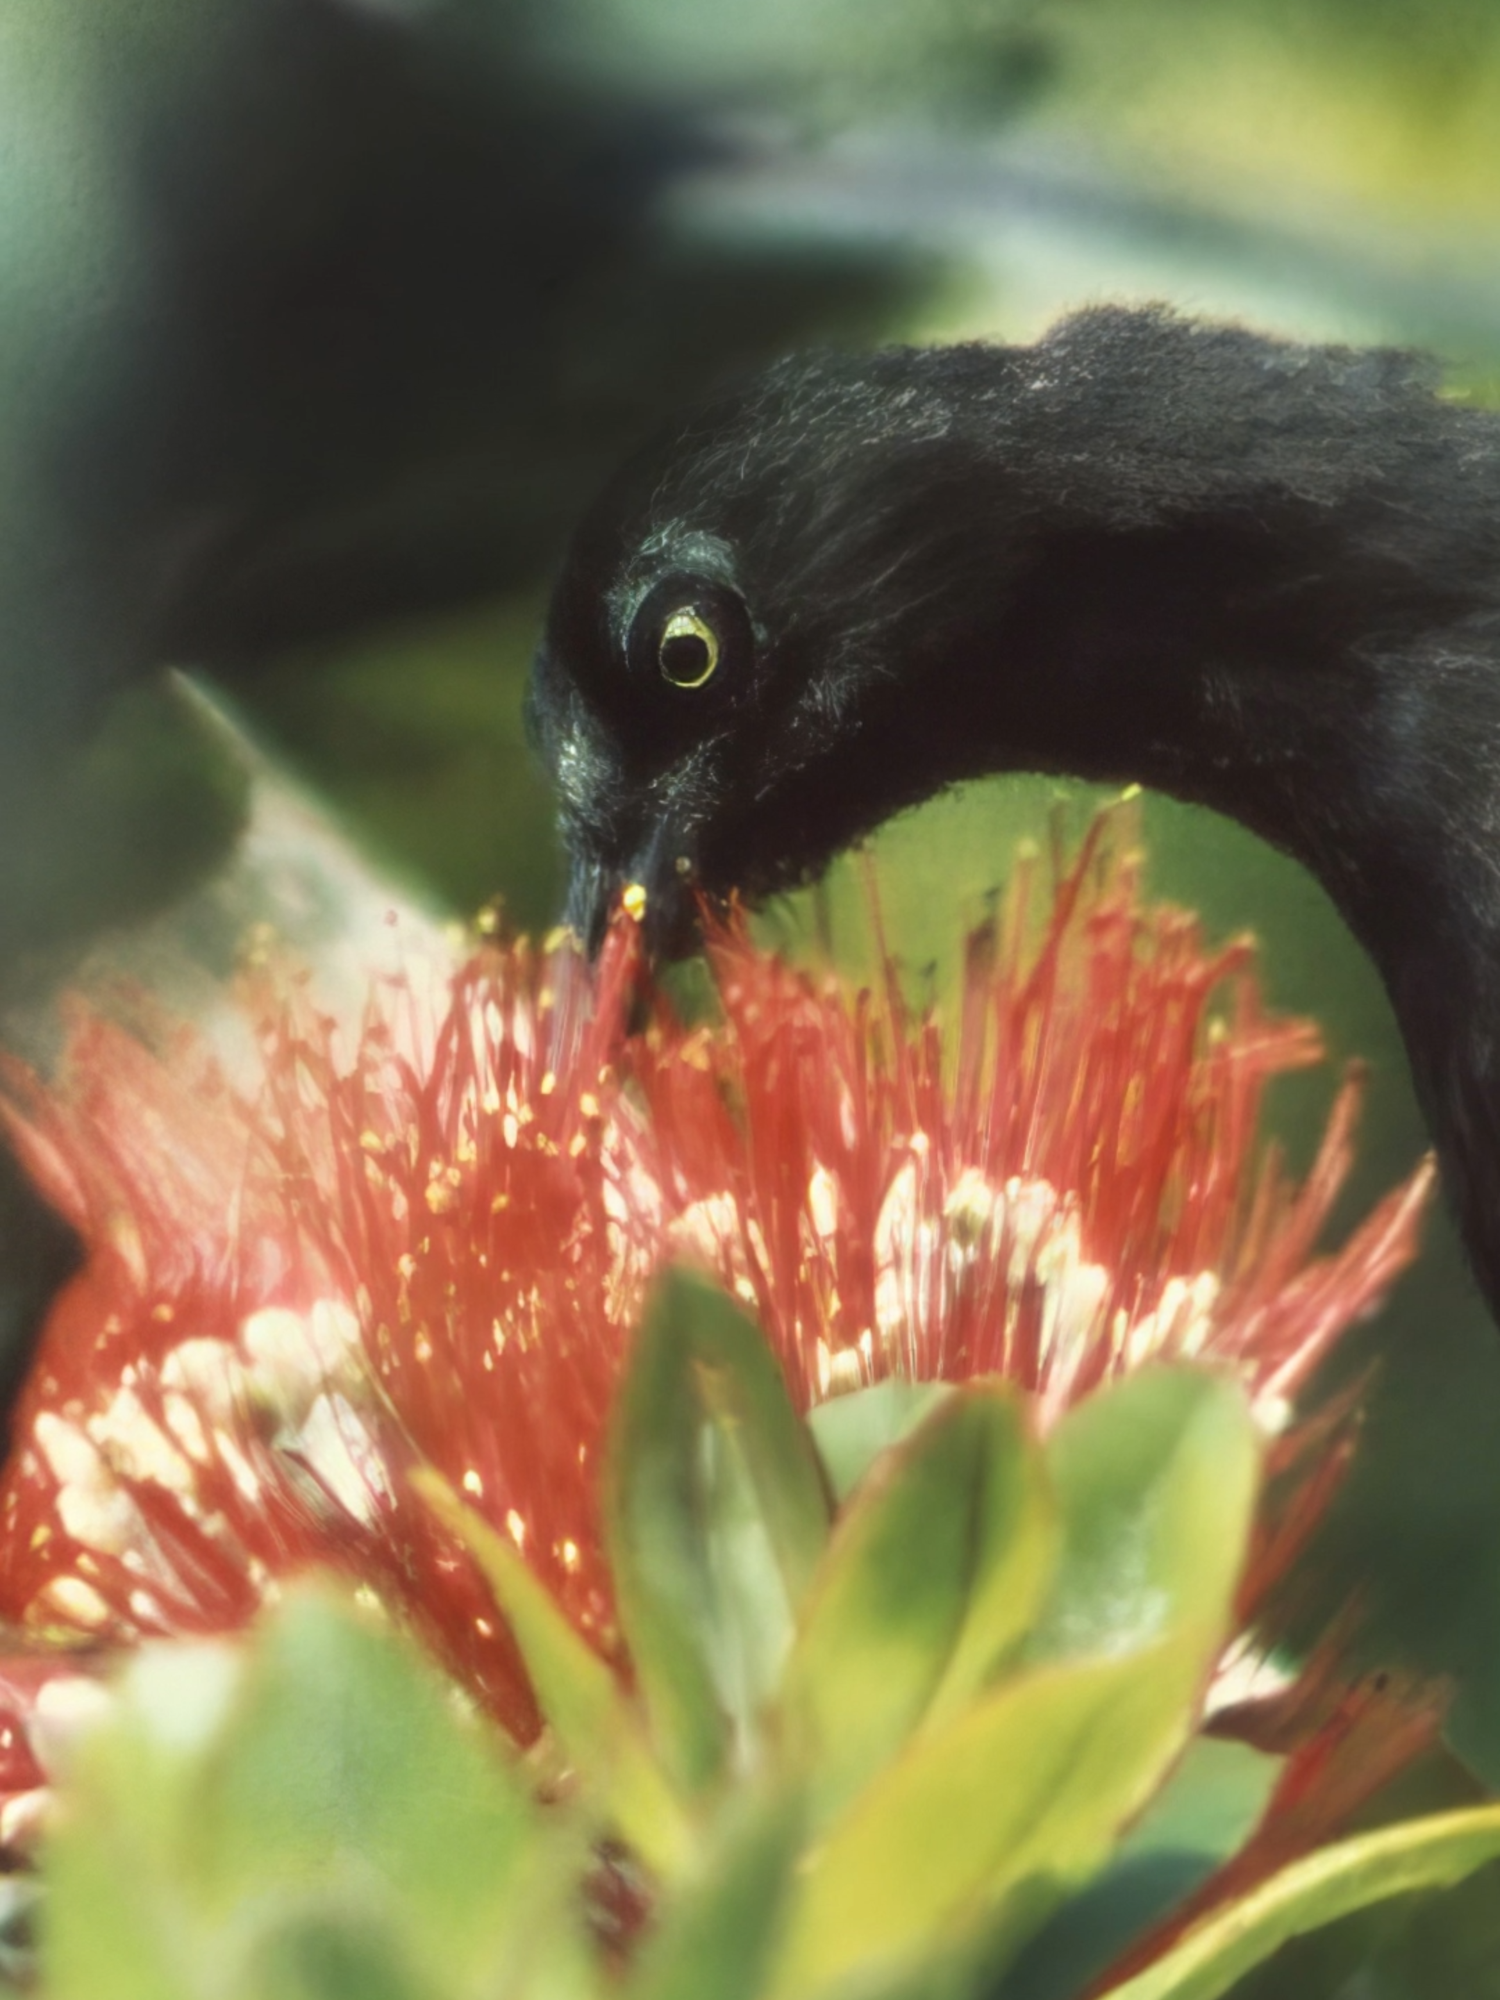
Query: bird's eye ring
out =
(690, 639)
(688, 650)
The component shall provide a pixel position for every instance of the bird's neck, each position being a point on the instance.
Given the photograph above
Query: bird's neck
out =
(1311, 653)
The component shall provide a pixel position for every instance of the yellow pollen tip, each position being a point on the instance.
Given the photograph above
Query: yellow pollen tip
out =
(634, 900)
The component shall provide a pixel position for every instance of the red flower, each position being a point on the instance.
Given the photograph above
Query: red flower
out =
(1058, 1187)
(429, 1239)
(429, 1246)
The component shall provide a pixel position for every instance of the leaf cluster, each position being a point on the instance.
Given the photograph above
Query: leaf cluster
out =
(915, 1710)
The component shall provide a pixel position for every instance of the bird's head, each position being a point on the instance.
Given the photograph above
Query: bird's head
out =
(735, 678)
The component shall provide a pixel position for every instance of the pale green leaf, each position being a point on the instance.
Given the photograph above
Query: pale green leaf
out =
(852, 1430)
(988, 1823)
(716, 1515)
(598, 1729)
(716, 1937)
(934, 1573)
(1156, 1479)
(308, 1814)
(345, 1743)
(1209, 1807)
(1431, 1853)
(328, 1957)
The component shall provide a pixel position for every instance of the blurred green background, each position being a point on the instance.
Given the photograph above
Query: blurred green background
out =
(1326, 168)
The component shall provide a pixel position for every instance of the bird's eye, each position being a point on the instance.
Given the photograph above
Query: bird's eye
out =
(688, 652)
(689, 631)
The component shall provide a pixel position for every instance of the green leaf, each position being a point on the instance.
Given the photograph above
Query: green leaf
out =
(716, 1516)
(114, 1928)
(1431, 1853)
(123, 1919)
(324, 1958)
(933, 1576)
(597, 1728)
(1211, 1804)
(715, 1938)
(345, 1757)
(1013, 1551)
(308, 1816)
(852, 1430)
(1156, 1479)
(986, 1824)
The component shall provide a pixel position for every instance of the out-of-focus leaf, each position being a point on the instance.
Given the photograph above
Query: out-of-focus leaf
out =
(983, 1827)
(1014, 1552)
(323, 1958)
(1208, 1809)
(716, 1516)
(716, 1938)
(1430, 1853)
(307, 1817)
(1444, 1942)
(123, 1922)
(1211, 1805)
(932, 1578)
(345, 1744)
(558, 1961)
(1156, 1480)
(597, 1728)
(988, 1823)
(851, 1431)
(115, 1932)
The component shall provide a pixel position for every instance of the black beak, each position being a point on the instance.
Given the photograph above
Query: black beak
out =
(592, 889)
(659, 885)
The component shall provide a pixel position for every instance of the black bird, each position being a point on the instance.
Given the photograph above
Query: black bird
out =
(1262, 577)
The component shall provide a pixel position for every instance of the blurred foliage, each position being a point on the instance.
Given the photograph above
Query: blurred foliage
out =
(149, 806)
(881, 1748)
(1385, 99)
(443, 783)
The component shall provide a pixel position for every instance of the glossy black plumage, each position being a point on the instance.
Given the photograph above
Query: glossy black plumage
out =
(1262, 577)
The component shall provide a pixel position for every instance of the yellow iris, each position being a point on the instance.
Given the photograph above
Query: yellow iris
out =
(688, 650)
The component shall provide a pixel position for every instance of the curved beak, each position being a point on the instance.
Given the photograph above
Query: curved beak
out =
(659, 878)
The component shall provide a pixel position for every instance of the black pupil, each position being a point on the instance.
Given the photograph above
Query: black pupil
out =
(684, 656)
